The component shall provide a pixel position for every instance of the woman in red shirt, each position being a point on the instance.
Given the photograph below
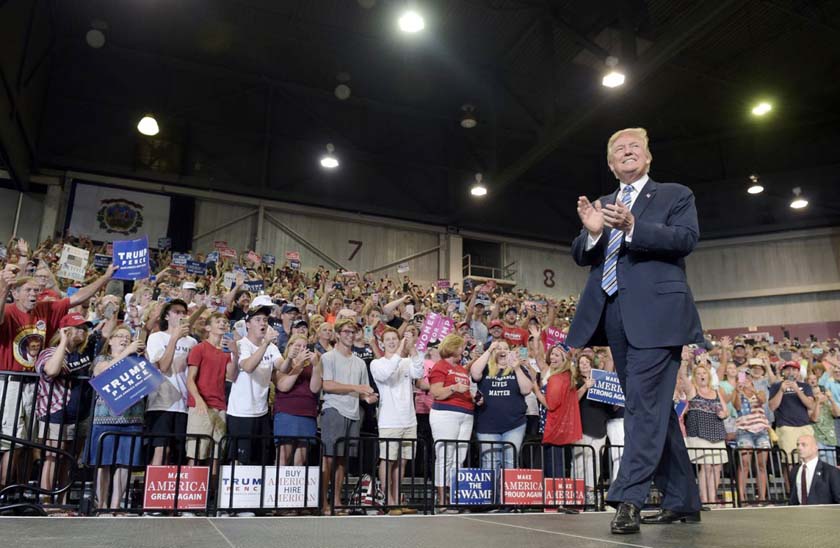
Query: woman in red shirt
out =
(558, 396)
(451, 416)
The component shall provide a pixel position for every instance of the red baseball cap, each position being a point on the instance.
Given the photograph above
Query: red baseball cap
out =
(74, 319)
(791, 364)
(496, 323)
(462, 324)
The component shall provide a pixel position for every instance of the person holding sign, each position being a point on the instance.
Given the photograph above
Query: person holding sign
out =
(168, 349)
(637, 300)
(118, 452)
(593, 417)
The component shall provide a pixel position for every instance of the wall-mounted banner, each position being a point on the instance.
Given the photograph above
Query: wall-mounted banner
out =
(104, 213)
(285, 487)
(607, 388)
(127, 382)
(132, 256)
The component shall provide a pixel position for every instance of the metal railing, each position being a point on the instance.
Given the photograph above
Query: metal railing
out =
(469, 269)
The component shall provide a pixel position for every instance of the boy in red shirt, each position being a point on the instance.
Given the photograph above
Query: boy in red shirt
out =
(209, 363)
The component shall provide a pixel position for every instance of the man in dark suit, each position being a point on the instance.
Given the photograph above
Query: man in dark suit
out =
(637, 300)
(812, 481)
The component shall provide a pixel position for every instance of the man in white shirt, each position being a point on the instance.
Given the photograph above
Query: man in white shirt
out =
(248, 418)
(166, 409)
(813, 481)
(395, 375)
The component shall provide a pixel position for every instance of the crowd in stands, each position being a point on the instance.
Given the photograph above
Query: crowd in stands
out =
(314, 353)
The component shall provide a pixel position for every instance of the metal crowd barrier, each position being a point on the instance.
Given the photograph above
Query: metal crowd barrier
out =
(574, 472)
(367, 483)
(266, 486)
(761, 476)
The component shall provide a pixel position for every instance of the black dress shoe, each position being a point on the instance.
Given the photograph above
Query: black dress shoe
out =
(626, 520)
(669, 516)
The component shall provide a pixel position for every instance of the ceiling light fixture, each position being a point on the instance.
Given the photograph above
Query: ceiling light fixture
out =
(798, 201)
(468, 120)
(411, 22)
(614, 77)
(478, 188)
(762, 108)
(95, 37)
(755, 187)
(329, 160)
(148, 125)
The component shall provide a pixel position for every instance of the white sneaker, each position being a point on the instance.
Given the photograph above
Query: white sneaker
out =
(187, 514)
(245, 515)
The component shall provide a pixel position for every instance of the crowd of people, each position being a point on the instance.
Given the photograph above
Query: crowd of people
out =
(295, 354)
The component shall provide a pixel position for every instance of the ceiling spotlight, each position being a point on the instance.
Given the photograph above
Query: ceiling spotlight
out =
(95, 37)
(329, 160)
(468, 120)
(762, 108)
(342, 92)
(798, 201)
(148, 125)
(411, 22)
(755, 187)
(614, 77)
(478, 188)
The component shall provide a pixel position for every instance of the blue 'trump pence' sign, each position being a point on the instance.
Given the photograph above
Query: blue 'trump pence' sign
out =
(132, 256)
(473, 486)
(127, 382)
(607, 388)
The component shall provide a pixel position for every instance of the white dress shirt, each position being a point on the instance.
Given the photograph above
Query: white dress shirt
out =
(810, 469)
(637, 188)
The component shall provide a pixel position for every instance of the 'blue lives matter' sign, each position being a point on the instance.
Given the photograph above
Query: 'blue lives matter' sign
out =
(474, 486)
(607, 388)
(127, 382)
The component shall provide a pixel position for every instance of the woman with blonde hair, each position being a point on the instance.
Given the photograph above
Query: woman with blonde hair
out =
(298, 383)
(118, 453)
(705, 432)
(451, 416)
(557, 394)
(503, 382)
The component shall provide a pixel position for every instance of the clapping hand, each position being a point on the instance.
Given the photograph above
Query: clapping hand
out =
(591, 215)
(618, 216)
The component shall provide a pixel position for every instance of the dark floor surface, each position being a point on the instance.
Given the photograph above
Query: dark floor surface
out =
(811, 527)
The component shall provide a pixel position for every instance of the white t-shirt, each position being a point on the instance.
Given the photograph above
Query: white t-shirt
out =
(395, 378)
(249, 393)
(171, 395)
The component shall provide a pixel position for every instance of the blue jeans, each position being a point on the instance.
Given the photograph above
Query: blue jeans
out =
(492, 456)
(828, 454)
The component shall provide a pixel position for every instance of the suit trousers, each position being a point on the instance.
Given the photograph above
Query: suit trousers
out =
(654, 449)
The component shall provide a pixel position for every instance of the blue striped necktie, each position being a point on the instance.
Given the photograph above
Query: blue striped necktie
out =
(609, 281)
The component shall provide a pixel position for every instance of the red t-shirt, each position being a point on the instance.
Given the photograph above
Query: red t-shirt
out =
(210, 378)
(449, 374)
(20, 328)
(562, 421)
(515, 336)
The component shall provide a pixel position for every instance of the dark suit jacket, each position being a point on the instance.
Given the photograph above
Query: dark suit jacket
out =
(825, 487)
(657, 307)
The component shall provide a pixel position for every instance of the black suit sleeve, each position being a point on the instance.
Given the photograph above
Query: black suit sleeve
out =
(677, 238)
(834, 484)
(794, 499)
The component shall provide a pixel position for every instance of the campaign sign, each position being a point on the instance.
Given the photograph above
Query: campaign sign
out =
(162, 481)
(553, 336)
(213, 257)
(228, 252)
(435, 327)
(607, 388)
(132, 256)
(294, 265)
(195, 267)
(472, 486)
(126, 382)
(255, 286)
(565, 492)
(443, 284)
(179, 260)
(285, 487)
(229, 279)
(269, 259)
(254, 258)
(101, 262)
(219, 244)
(73, 263)
(403, 268)
(522, 486)
(164, 243)
(293, 255)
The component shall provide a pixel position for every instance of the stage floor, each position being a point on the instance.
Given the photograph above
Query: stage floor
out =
(811, 526)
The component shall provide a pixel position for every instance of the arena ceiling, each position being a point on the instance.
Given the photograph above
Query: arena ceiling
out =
(245, 95)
